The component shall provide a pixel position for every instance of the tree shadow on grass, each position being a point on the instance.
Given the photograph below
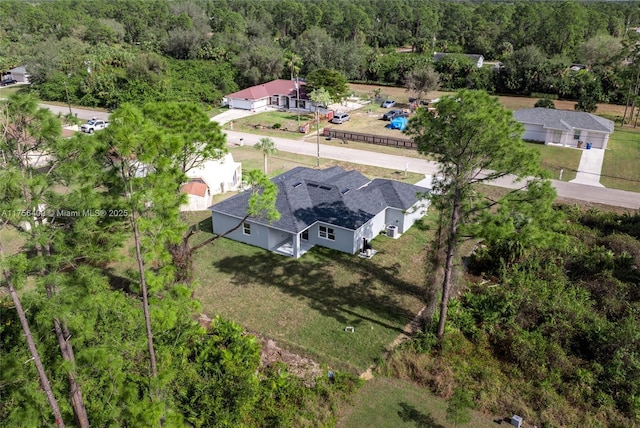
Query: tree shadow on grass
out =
(314, 279)
(408, 413)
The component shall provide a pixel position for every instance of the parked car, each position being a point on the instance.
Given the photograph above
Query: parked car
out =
(392, 114)
(388, 104)
(7, 82)
(340, 118)
(94, 125)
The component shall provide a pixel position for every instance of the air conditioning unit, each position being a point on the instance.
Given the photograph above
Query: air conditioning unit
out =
(516, 421)
(392, 231)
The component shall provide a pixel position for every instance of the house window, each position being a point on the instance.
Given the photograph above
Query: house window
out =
(576, 134)
(327, 233)
(305, 235)
(246, 228)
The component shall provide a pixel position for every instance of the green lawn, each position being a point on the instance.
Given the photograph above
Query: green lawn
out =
(621, 167)
(553, 159)
(12, 241)
(7, 91)
(262, 124)
(387, 402)
(306, 304)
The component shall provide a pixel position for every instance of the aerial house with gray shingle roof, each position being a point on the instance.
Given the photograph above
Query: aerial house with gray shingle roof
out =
(564, 127)
(331, 208)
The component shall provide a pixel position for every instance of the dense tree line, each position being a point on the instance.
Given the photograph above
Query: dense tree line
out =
(128, 51)
(548, 331)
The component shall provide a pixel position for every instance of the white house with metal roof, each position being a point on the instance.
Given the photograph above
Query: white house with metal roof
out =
(564, 127)
(332, 208)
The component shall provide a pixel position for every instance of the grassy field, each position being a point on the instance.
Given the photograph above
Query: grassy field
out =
(554, 159)
(11, 240)
(621, 167)
(386, 402)
(306, 304)
(7, 91)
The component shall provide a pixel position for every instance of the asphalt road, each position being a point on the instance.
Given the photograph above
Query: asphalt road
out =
(80, 113)
(600, 195)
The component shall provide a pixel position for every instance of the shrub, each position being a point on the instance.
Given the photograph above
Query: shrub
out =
(543, 95)
(545, 103)
(277, 126)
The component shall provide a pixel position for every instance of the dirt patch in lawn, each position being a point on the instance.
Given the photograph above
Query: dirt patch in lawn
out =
(270, 353)
(301, 367)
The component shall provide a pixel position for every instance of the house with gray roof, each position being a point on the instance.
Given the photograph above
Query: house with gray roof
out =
(565, 127)
(332, 208)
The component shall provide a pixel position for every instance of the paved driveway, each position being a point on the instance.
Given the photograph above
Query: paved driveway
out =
(590, 168)
(233, 114)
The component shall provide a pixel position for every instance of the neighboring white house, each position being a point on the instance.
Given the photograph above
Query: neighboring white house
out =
(20, 74)
(280, 93)
(332, 208)
(565, 127)
(213, 177)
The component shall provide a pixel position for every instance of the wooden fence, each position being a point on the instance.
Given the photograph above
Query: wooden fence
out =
(381, 140)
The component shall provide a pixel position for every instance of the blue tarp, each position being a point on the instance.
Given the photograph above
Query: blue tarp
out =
(398, 123)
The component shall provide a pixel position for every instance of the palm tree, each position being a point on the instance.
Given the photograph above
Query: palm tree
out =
(293, 61)
(421, 81)
(268, 147)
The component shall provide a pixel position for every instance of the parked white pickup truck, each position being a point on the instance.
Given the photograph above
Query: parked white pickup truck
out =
(94, 125)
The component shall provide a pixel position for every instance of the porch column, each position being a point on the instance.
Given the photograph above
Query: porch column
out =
(296, 246)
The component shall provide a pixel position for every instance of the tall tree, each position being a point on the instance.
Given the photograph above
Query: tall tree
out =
(293, 62)
(30, 142)
(261, 60)
(44, 379)
(141, 167)
(475, 140)
(198, 138)
(332, 81)
(421, 81)
(268, 147)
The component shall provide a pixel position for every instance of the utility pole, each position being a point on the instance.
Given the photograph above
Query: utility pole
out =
(318, 134)
(298, 100)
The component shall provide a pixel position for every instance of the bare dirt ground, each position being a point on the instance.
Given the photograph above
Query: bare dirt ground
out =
(510, 102)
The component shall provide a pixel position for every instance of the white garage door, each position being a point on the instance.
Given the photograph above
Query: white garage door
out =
(241, 104)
